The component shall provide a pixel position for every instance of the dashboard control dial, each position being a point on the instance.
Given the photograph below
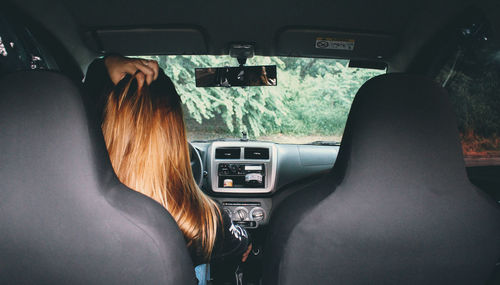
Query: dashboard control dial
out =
(229, 213)
(233, 168)
(257, 214)
(240, 214)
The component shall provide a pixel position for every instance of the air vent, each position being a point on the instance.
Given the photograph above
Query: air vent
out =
(256, 153)
(227, 153)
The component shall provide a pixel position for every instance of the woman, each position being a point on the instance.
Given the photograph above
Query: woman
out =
(146, 139)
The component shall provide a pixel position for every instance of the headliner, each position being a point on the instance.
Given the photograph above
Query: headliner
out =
(253, 21)
(408, 22)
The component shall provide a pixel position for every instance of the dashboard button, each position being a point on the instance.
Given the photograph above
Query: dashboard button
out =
(233, 168)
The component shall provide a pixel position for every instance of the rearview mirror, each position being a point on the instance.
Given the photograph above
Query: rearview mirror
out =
(262, 75)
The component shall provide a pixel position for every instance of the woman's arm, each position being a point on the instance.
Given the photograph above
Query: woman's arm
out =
(119, 66)
(232, 240)
(103, 73)
(97, 85)
(108, 71)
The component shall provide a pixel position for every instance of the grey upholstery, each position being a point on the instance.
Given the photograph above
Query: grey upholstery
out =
(64, 216)
(397, 207)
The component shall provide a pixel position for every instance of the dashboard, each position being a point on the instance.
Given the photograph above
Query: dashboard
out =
(245, 176)
(240, 168)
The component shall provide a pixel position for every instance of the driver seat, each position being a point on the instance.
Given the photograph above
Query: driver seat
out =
(64, 216)
(397, 207)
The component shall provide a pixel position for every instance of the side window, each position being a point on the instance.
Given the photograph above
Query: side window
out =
(470, 72)
(19, 50)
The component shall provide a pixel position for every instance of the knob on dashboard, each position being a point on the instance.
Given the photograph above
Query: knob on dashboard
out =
(233, 168)
(240, 214)
(257, 214)
(229, 213)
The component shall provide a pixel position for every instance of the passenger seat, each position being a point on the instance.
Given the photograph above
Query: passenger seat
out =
(397, 207)
(64, 216)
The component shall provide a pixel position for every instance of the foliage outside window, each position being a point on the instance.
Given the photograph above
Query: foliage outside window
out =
(471, 75)
(310, 103)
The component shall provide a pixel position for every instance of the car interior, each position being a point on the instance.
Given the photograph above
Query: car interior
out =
(407, 192)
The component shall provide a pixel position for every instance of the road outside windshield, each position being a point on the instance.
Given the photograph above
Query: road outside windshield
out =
(310, 103)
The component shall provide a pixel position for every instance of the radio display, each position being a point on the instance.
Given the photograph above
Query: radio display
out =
(253, 167)
(241, 175)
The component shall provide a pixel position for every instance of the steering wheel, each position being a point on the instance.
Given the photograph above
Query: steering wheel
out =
(196, 164)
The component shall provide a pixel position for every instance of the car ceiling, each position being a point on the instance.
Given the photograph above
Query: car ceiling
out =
(256, 18)
(248, 21)
(405, 23)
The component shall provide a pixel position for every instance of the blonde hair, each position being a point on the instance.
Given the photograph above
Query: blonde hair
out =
(146, 140)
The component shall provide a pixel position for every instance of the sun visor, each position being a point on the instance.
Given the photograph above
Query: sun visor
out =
(318, 43)
(150, 41)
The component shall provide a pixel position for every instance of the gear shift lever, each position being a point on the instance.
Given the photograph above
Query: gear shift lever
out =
(238, 274)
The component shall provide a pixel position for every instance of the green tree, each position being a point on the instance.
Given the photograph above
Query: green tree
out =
(313, 96)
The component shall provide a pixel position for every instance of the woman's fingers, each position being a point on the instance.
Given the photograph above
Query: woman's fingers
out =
(154, 65)
(140, 77)
(119, 66)
(147, 68)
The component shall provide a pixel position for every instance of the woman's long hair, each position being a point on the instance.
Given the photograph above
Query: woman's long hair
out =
(146, 140)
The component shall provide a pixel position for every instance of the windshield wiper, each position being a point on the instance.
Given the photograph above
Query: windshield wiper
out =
(329, 143)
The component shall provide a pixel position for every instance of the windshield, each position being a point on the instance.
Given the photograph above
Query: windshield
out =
(309, 104)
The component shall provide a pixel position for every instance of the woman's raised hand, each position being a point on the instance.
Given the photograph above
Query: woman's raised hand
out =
(119, 66)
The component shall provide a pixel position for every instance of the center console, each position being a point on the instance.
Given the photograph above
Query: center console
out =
(243, 167)
(246, 168)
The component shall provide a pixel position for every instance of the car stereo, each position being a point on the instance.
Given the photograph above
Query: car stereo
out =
(241, 175)
(242, 167)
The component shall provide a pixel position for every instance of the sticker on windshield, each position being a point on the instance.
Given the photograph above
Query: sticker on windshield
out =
(336, 44)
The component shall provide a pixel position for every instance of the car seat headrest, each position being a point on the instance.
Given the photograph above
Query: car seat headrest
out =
(403, 124)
